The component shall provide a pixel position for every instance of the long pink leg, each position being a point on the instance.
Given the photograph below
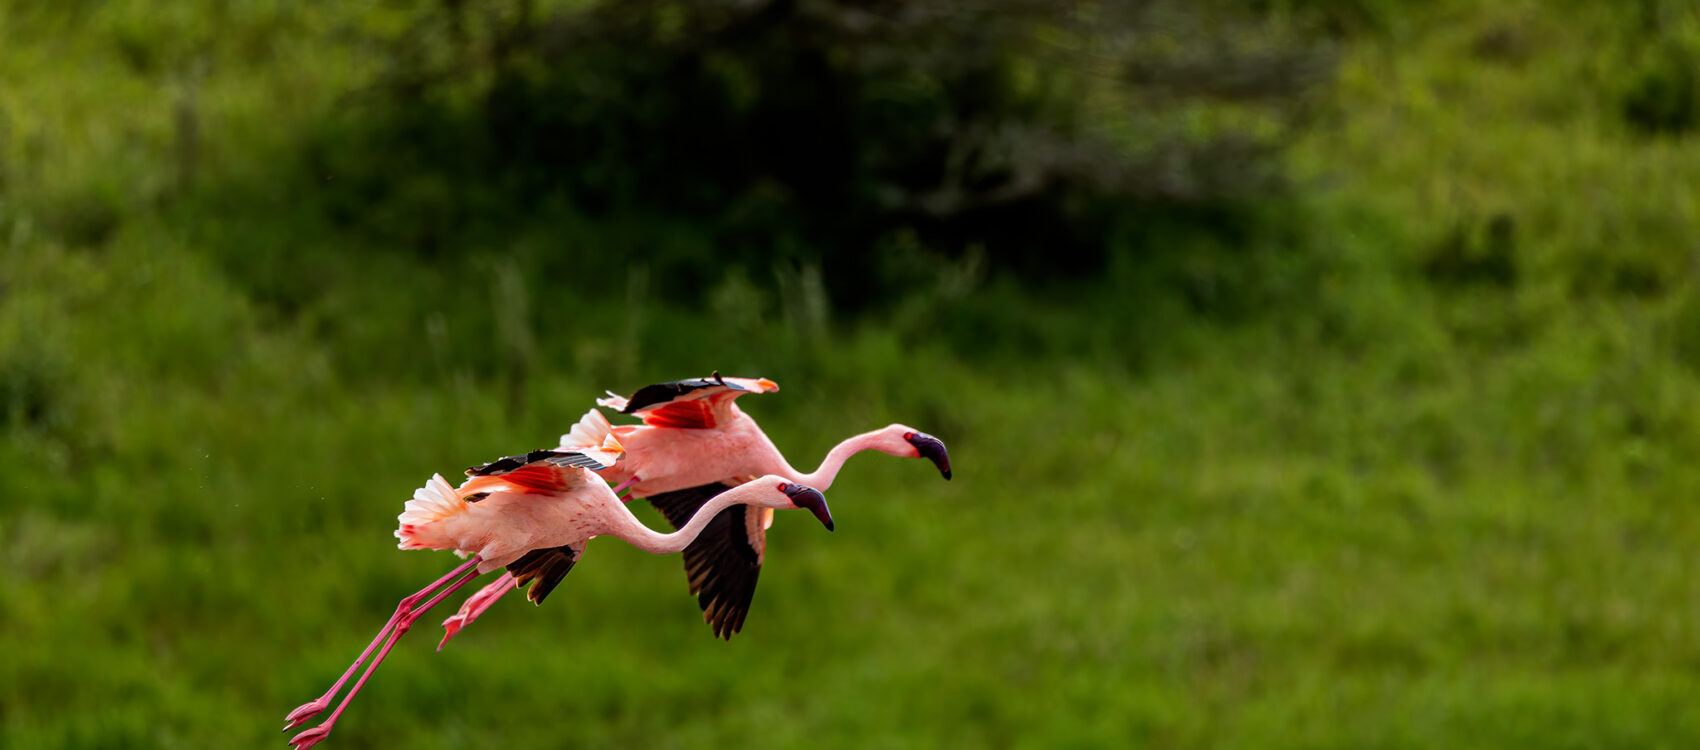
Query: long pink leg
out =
(623, 485)
(475, 606)
(313, 736)
(312, 708)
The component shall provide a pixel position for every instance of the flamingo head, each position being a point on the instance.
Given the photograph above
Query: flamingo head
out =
(804, 496)
(930, 448)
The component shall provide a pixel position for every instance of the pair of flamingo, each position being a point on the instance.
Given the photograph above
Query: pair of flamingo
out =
(533, 514)
(694, 444)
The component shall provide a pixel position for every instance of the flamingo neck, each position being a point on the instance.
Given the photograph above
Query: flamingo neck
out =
(649, 540)
(821, 478)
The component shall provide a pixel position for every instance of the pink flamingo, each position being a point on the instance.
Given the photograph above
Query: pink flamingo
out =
(532, 514)
(696, 443)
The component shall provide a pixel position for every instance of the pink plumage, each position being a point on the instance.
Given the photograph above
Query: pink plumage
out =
(532, 514)
(694, 443)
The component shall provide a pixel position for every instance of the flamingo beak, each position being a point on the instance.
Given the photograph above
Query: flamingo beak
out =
(804, 496)
(932, 449)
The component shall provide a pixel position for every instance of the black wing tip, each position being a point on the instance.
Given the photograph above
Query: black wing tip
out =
(501, 465)
(508, 464)
(661, 393)
(725, 617)
(543, 569)
(725, 571)
(573, 460)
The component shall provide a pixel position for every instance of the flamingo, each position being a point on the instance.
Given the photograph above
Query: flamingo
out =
(532, 514)
(694, 444)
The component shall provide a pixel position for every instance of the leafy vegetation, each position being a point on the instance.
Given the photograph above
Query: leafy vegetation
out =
(1394, 449)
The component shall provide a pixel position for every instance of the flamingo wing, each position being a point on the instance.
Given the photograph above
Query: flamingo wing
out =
(550, 456)
(543, 569)
(724, 561)
(698, 403)
(537, 472)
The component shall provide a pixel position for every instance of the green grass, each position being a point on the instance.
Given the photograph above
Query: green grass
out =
(1365, 489)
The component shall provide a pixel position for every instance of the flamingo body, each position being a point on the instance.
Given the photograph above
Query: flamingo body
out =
(699, 444)
(507, 523)
(666, 459)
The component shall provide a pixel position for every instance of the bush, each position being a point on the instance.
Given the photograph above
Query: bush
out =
(810, 132)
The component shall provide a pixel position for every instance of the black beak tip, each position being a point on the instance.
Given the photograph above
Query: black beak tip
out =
(803, 496)
(932, 449)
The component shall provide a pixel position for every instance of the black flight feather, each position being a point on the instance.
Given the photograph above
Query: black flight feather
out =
(721, 564)
(543, 569)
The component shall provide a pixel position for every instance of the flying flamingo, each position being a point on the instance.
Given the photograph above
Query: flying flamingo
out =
(695, 443)
(532, 514)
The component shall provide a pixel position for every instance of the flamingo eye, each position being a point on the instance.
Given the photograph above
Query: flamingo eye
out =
(909, 435)
(785, 487)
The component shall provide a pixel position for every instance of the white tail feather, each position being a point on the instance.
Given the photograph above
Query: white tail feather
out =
(421, 519)
(594, 438)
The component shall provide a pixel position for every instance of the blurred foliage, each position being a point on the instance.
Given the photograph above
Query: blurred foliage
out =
(1664, 97)
(813, 130)
(1391, 446)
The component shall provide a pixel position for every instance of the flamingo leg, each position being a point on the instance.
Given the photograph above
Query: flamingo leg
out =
(618, 488)
(475, 606)
(403, 622)
(310, 709)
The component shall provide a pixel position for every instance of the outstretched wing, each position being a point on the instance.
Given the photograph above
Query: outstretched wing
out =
(553, 457)
(540, 471)
(697, 403)
(543, 569)
(724, 561)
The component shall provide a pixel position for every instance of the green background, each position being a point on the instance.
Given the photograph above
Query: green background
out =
(1404, 457)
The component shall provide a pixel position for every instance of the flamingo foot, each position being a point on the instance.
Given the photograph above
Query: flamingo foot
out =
(452, 626)
(310, 737)
(307, 711)
(409, 610)
(475, 606)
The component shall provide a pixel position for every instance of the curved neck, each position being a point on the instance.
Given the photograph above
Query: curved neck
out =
(629, 528)
(821, 478)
